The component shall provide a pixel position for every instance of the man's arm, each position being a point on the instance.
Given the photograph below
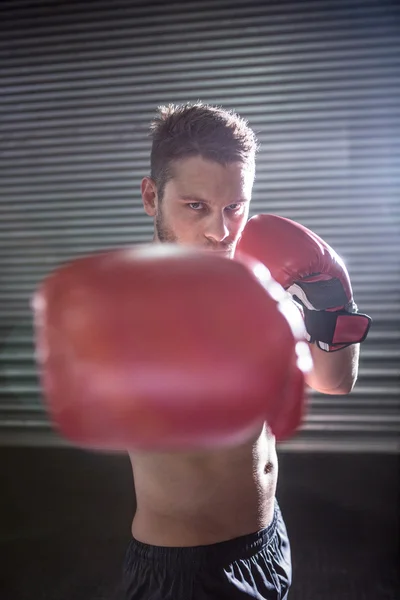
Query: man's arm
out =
(334, 372)
(318, 281)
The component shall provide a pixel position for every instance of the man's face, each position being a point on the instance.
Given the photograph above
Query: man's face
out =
(205, 204)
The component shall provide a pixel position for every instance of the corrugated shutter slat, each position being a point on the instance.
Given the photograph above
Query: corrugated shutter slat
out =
(320, 83)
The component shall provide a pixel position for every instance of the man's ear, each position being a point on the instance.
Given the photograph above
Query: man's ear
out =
(149, 196)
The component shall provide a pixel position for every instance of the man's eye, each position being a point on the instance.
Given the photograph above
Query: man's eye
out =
(234, 207)
(196, 205)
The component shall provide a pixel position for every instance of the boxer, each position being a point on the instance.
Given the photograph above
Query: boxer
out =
(196, 364)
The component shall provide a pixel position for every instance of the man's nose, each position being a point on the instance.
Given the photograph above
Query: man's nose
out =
(216, 229)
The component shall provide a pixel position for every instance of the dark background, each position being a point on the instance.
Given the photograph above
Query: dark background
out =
(65, 519)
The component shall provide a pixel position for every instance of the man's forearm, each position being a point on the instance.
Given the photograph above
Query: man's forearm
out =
(334, 372)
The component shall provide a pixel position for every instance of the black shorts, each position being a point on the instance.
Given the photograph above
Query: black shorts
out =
(252, 566)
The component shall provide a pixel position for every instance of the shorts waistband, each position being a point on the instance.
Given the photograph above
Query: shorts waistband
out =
(244, 546)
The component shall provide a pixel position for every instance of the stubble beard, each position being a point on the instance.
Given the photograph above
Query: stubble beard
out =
(164, 233)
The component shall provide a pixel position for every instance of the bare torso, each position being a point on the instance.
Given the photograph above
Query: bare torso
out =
(204, 498)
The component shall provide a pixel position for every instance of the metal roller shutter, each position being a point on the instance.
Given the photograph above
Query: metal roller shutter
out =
(319, 82)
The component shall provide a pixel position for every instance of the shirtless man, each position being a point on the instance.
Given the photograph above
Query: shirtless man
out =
(207, 524)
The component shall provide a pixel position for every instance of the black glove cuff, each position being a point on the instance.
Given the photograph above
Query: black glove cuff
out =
(336, 329)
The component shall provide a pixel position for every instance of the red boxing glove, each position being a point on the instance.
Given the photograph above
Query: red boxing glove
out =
(162, 347)
(313, 273)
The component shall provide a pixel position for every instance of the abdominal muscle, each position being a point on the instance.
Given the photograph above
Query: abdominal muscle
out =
(191, 499)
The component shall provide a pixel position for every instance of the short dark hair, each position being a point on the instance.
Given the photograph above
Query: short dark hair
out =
(212, 132)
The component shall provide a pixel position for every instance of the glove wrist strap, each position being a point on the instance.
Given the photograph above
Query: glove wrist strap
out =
(334, 330)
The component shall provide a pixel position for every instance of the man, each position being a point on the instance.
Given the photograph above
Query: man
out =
(207, 524)
(133, 345)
